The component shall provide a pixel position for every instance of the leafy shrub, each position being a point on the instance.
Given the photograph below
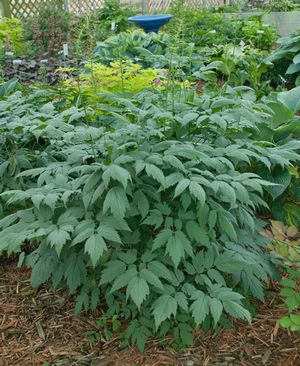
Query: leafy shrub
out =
(290, 291)
(151, 209)
(111, 18)
(11, 35)
(281, 5)
(158, 51)
(258, 33)
(120, 76)
(47, 31)
(285, 128)
(286, 58)
(237, 66)
(204, 27)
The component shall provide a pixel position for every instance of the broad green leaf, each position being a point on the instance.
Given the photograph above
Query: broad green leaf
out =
(138, 290)
(160, 270)
(58, 238)
(163, 308)
(161, 239)
(109, 233)
(151, 278)
(142, 203)
(177, 245)
(95, 246)
(156, 173)
(117, 173)
(216, 309)
(200, 307)
(75, 271)
(113, 270)
(198, 192)
(181, 186)
(197, 233)
(123, 279)
(226, 225)
(116, 201)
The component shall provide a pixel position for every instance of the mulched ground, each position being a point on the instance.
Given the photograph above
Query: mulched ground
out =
(39, 326)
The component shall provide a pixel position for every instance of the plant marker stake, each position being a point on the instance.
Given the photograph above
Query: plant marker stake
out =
(66, 49)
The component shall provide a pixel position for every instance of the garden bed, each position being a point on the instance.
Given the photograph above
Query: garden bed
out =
(39, 326)
(30, 71)
(286, 22)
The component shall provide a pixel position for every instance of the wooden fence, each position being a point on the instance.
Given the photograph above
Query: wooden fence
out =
(25, 8)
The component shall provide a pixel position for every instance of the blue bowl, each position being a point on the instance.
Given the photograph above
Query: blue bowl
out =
(151, 23)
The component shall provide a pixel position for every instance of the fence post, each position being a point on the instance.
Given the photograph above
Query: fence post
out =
(6, 9)
(66, 5)
(144, 6)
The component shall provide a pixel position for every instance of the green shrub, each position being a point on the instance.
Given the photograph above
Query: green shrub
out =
(258, 33)
(158, 51)
(11, 35)
(120, 76)
(150, 209)
(46, 32)
(286, 59)
(111, 18)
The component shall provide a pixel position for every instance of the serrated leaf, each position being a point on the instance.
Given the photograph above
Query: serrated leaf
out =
(177, 246)
(198, 192)
(142, 203)
(163, 308)
(113, 270)
(160, 270)
(197, 233)
(181, 186)
(181, 300)
(161, 239)
(151, 278)
(156, 173)
(227, 226)
(216, 309)
(58, 238)
(75, 271)
(123, 279)
(95, 246)
(117, 173)
(109, 233)
(200, 307)
(116, 201)
(138, 290)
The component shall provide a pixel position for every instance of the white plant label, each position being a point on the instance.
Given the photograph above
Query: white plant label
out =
(113, 25)
(66, 49)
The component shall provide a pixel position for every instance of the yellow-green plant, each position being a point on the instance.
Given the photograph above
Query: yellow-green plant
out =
(124, 76)
(11, 35)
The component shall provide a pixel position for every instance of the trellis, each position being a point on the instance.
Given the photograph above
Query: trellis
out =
(25, 8)
(162, 5)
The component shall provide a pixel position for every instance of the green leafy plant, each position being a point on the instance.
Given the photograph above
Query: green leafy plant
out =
(236, 66)
(258, 33)
(11, 36)
(46, 32)
(290, 291)
(203, 26)
(151, 208)
(111, 18)
(158, 51)
(120, 76)
(281, 5)
(286, 58)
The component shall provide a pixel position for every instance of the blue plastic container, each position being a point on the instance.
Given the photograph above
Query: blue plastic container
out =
(151, 23)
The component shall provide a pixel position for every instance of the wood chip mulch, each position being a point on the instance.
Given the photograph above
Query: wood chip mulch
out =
(39, 328)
